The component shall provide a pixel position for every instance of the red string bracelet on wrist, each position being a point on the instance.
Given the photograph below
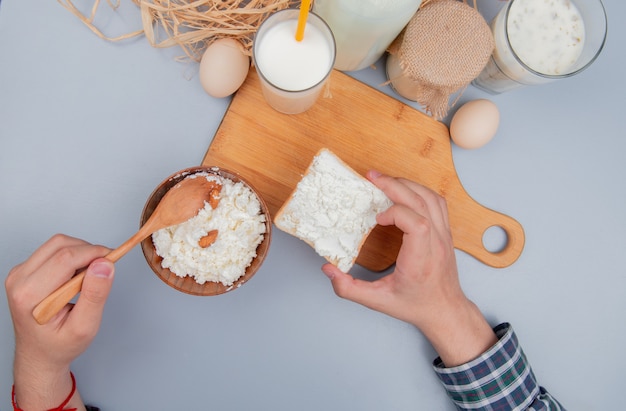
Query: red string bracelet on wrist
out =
(59, 408)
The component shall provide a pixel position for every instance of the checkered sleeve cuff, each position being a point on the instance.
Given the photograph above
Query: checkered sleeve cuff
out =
(499, 380)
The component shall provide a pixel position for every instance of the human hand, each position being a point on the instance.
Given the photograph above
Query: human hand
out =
(424, 287)
(43, 353)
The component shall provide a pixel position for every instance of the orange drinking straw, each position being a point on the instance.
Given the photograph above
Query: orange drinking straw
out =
(304, 13)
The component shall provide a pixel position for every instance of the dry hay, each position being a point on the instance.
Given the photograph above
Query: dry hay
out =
(192, 25)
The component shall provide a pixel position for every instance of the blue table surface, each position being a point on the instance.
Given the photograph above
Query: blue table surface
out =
(89, 127)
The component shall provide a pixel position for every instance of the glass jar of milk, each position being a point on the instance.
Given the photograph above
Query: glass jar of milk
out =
(363, 29)
(538, 41)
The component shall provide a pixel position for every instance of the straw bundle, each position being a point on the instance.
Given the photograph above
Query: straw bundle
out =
(192, 25)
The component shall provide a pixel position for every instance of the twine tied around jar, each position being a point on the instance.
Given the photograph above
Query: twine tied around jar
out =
(445, 46)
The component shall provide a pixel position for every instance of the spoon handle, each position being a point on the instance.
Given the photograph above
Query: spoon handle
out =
(54, 302)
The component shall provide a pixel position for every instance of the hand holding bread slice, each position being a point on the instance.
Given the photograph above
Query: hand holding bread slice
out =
(333, 209)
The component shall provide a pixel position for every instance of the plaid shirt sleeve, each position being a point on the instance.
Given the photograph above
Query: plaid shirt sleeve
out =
(499, 380)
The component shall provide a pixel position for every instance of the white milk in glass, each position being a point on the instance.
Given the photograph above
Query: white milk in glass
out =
(547, 36)
(364, 29)
(293, 65)
(293, 72)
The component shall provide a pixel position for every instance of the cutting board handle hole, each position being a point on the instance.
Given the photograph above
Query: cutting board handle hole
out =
(495, 239)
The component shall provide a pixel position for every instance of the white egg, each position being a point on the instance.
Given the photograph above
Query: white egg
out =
(223, 67)
(475, 123)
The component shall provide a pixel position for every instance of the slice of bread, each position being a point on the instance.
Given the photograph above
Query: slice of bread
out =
(333, 209)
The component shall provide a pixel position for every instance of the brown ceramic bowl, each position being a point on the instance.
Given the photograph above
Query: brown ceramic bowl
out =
(188, 284)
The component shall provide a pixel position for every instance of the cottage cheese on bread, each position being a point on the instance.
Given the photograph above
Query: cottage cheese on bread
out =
(333, 209)
(240, 226)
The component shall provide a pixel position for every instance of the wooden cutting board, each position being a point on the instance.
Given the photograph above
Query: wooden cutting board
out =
(367, 129)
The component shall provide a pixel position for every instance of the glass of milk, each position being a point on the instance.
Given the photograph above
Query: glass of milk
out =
(538, 41)
(293, 73)
(363, 29)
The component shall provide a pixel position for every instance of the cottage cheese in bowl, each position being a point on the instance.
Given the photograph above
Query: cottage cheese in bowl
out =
(218, 249)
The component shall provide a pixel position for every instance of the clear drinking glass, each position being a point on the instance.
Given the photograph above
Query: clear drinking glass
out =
(293, 73)
(515, 63)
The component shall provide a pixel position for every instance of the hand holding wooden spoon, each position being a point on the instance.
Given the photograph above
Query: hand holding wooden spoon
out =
(179, 204)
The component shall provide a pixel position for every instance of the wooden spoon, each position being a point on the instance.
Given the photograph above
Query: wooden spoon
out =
(179, 204)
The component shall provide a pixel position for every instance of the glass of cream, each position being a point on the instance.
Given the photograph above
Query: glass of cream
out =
(539, 41)
(293, 73)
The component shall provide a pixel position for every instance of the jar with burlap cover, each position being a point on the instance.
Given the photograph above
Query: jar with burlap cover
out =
(443, 48)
